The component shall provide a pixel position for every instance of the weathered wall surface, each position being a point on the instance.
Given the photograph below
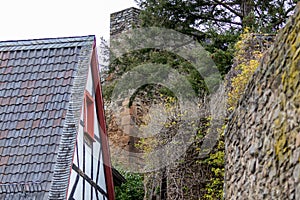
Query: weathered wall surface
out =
(123, 20)
(263, 133)
(121, 119)
(186, 178)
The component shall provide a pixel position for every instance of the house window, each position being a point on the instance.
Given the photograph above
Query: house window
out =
(89, 115)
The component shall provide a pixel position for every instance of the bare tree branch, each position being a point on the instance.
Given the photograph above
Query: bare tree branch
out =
(222, 20)
(229, 8)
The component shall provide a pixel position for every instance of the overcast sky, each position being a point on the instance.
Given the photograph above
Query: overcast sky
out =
(30, 19)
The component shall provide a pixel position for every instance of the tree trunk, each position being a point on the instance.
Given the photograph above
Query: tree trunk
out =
(247, 7)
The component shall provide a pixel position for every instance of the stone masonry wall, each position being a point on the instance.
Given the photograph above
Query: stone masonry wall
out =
(121, 130)
(263, 134)
(120, 124)
(124, 20)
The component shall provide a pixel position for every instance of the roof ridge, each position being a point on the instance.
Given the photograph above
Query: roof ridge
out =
(41, 113)
(46, 43)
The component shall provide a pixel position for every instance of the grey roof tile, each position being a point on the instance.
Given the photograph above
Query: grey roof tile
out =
(36, 77)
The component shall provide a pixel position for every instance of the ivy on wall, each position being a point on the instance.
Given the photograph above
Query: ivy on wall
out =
(247, 56)
(248, 52)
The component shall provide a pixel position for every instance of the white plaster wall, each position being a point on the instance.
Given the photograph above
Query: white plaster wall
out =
(95, 151)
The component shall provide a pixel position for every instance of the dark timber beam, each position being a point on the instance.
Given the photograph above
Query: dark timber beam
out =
(88, 179)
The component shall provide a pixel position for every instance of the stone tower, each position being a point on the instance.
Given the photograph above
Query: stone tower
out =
(122, 117)
(124, 20)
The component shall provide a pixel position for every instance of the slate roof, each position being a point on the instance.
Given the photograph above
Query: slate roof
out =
(41, 90)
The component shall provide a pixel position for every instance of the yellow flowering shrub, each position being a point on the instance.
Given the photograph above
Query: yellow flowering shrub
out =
(247, 58)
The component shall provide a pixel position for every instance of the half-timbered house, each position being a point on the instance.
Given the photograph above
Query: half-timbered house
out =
(53, 142)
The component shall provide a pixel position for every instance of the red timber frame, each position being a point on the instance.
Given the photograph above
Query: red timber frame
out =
(88, 124)
(101, 119)
(89, 115)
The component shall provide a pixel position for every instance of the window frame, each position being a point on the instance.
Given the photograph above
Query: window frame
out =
(89, 115)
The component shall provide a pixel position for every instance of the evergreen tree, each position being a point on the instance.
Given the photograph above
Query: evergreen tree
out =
(215, 23)
(197, 16)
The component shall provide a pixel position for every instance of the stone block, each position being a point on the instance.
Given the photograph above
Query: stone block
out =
(127, 129)
(124, 140)
(125, 102)
(297, 192)
(296, 173)
(125, 112)
(298, 140)
(126, 120)
(133, 110)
